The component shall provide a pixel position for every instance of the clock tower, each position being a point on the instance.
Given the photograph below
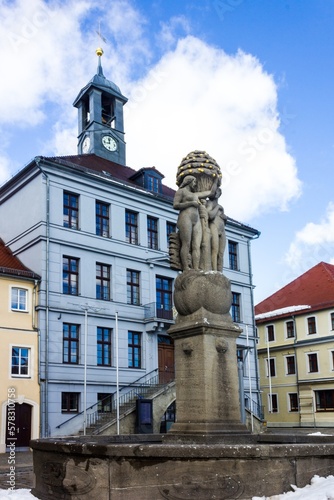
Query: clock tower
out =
(101, 122)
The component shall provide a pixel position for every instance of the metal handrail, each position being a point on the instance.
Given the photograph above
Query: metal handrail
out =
(137, 383)
(255, 407)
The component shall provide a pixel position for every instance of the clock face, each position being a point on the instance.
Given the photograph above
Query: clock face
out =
(85, 145)
(109, 143)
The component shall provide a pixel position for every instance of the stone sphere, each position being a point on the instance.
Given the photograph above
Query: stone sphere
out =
(196, 289)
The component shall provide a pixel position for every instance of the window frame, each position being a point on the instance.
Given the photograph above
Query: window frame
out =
(272, 334)
(102, 220)
(152, 232)
(310, 363)
(131, 227)
(18, 299)
(20, 365)
(73, 210)
(331, 319)
(105, 345)
(103, 281)
(273, 408)
(72, 342)
(288, 329)
(233, 251)
(164, 296)
(317, 398)
(272, 364)
(312, 324)
(292, 407)
(69, 396)
(288, 364)
(133, 287)
(236, 307)
(72, 280)
(134, 350)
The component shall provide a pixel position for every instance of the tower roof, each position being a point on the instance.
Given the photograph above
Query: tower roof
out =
(99, 81)
(314, 288)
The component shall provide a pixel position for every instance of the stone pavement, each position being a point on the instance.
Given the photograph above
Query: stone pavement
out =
(24, 477)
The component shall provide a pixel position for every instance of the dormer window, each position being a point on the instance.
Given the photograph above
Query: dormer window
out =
(153, 184)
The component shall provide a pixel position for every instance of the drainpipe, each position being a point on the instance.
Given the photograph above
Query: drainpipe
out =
(44, 408)
(38, 331)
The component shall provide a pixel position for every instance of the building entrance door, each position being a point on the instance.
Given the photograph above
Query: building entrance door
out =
(166, 359)
(20, 432)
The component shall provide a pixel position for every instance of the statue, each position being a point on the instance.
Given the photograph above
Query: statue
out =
(217, 221)
(192, 212)
(197, 248)
(200, 241)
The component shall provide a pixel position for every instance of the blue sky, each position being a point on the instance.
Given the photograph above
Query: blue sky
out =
(249, 81)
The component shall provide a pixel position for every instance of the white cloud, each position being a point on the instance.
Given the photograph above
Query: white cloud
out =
(313, 244)
(195, 97)
(198, 97)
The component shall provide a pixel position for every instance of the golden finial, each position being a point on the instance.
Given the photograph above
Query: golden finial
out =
(99, 52)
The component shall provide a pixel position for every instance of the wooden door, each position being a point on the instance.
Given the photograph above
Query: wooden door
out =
(166, 362)
(20, 432)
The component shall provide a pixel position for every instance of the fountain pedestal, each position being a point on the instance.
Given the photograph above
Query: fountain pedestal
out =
(206, 377)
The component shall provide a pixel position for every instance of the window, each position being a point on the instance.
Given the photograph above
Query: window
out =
(70, 402)
(153, 184)
(311, 326)
(131, 227)
(104, 400)
(233, 255)
(290, 365)
(152, 233)
(290, 329)
(70, 275)
(332, 353)
(312, 362)
(270, 333)
(19, 299)
(272, 367)
(70, 343)
(235, 308)
(164, 296)
(20, 361)
(170, 228)
(332, 321)
(71, 210)
(103, 346)
(102, 219)
(133, 287)
(293, 402)
(134, 350)
(102, 281)
(273, 403)
(324, 400)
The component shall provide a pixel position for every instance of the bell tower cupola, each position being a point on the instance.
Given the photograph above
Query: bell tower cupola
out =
(100, 117)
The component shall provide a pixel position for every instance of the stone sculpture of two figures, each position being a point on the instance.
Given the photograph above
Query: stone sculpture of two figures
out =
(197, 248)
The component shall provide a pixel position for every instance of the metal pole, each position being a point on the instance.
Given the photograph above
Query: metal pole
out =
(117, 370)
(249, 379)
(85, 371)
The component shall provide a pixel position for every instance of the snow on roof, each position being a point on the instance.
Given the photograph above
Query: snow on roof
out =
(282, 310)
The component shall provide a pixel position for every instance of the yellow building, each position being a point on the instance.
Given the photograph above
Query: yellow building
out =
(296, 351)
(19, 388)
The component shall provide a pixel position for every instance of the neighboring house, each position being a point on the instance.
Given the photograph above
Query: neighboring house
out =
(296, 351)
(19, 388)
(97, 232)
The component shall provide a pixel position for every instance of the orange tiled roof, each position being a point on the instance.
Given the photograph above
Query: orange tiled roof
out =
(314, 288)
